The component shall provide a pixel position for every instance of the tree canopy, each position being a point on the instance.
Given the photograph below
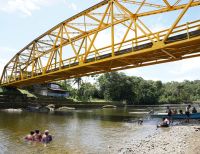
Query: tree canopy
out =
(116, 86)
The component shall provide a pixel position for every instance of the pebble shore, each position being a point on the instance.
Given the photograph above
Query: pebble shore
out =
(182, 138)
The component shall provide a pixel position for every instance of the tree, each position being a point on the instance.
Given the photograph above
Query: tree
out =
(116, 87)
(78, 81)
(67, 85)
(86, 91)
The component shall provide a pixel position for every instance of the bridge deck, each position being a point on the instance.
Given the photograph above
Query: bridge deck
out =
(176, 48)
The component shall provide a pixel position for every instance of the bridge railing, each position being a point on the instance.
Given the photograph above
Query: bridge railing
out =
(129, 45)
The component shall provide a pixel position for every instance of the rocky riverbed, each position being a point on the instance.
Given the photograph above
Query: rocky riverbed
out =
(180, 138)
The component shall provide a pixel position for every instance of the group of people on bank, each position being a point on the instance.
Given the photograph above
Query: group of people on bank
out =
(188, 110)
(39, 137)
(167, 120)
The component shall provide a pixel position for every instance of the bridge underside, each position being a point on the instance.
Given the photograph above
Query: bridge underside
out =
(143, 55)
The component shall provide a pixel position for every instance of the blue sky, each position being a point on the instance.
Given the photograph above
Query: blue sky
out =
(24, 20)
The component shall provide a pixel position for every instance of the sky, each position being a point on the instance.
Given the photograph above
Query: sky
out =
(21, 21)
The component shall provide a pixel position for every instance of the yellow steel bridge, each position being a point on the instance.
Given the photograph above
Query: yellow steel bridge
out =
(111, 35)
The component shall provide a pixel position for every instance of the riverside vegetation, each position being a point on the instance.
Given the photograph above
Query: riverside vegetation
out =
(118, 87)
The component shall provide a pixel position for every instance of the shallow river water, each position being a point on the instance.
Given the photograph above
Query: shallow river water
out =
(76, 131)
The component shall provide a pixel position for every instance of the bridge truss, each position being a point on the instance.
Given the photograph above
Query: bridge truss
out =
(109, 36)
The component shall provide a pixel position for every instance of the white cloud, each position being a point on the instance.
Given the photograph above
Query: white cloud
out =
(26, 7)
(187, 66)
(71, 5)
(187, 69)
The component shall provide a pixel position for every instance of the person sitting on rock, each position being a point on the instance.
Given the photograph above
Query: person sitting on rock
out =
(30, 136)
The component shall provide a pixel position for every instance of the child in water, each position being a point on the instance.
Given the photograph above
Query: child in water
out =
(46, 137)
(37, 136)
(165, 123)
(30, 137)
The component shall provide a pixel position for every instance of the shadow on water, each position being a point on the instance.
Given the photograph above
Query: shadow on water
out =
(114, 115)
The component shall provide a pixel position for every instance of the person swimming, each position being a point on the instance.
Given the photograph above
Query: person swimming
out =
(37, 136)
(46, 137)
(30, 136)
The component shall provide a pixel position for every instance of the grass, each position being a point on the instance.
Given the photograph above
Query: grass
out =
(27, 93)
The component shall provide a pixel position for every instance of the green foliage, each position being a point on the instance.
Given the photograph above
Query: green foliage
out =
(78, 81)
(184, 92)
(10, 91)
(67, 85)
(118, 87)
(86, 91)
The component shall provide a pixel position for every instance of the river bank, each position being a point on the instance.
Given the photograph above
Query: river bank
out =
(182, 138)
(23, 101)
(19, 98)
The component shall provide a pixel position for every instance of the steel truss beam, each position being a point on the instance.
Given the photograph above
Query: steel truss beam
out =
(74, 47)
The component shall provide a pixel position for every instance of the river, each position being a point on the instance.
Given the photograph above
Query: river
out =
(76, 131)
